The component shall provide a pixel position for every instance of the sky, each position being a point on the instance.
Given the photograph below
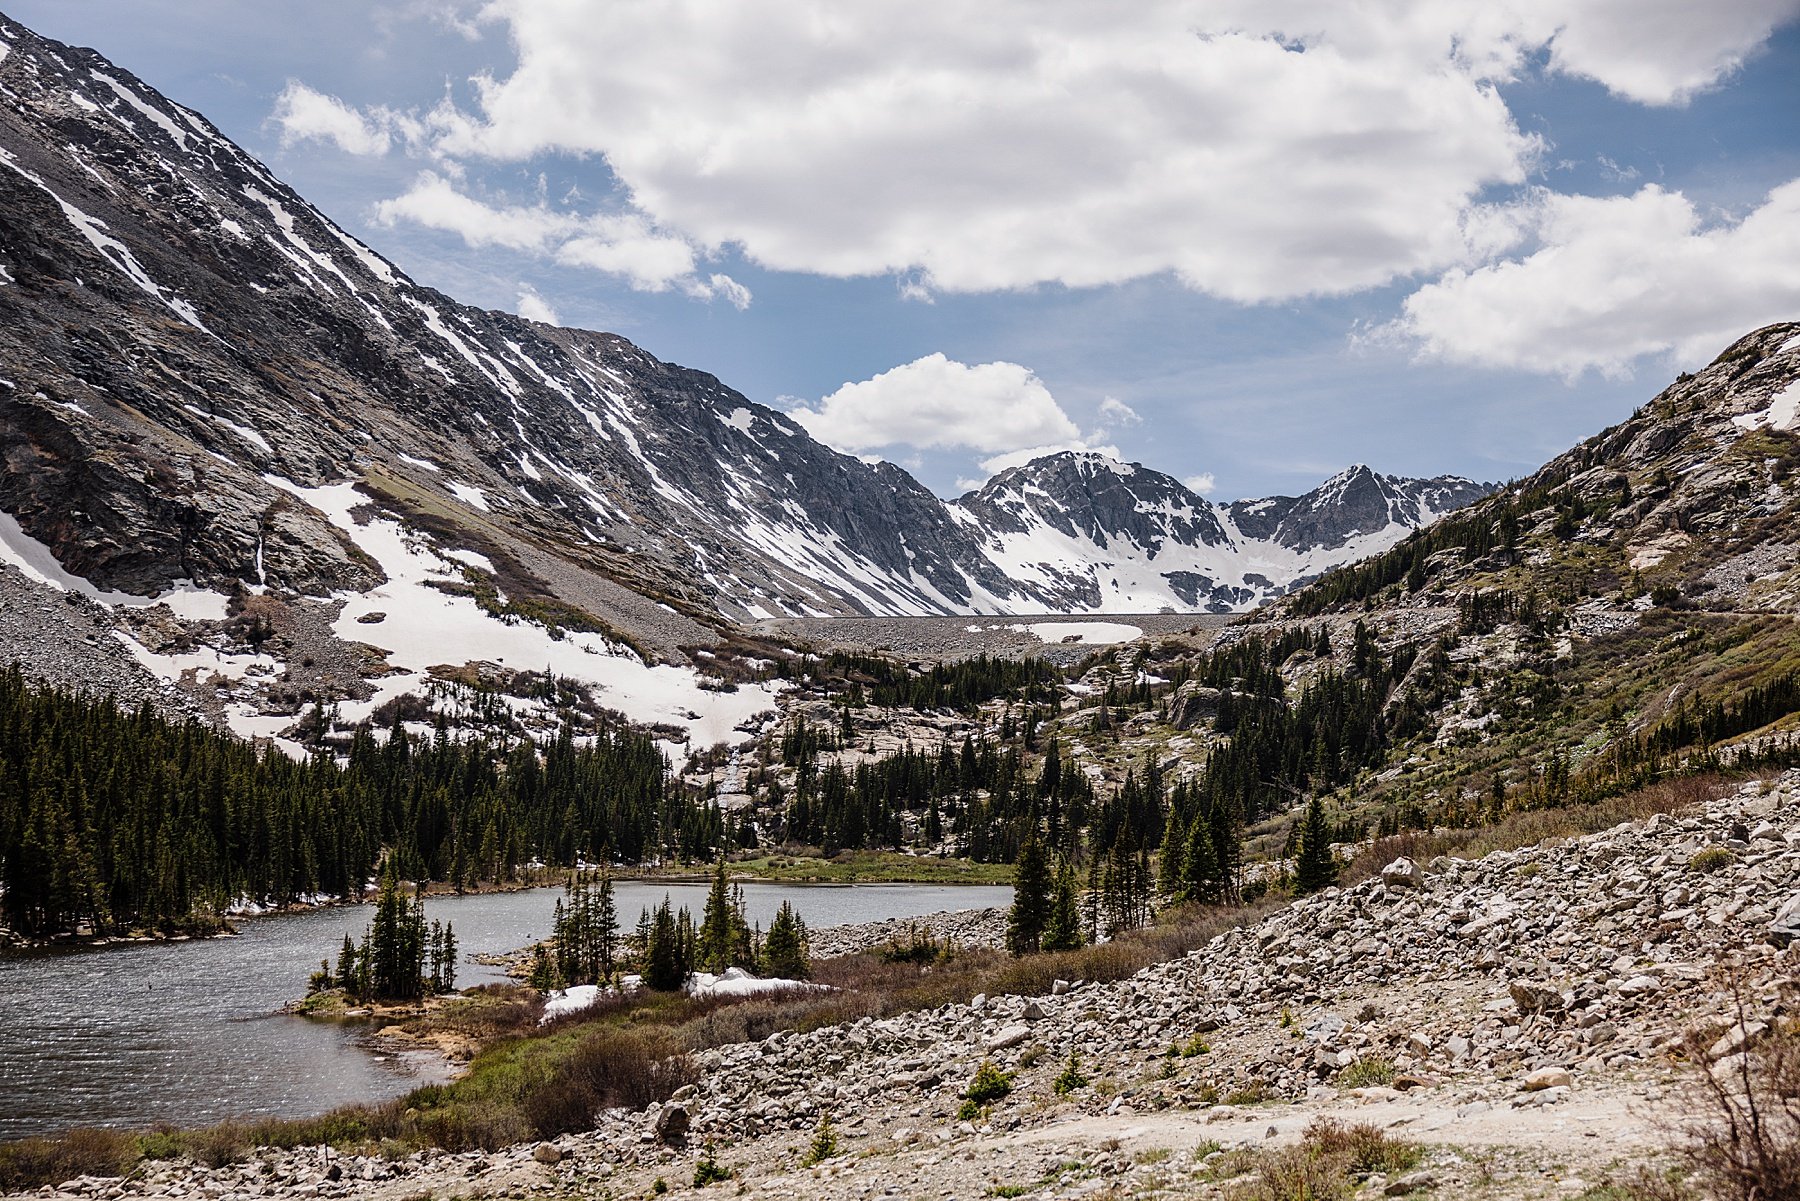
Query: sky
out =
(1245, 242)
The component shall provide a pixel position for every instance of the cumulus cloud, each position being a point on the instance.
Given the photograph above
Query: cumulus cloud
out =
(1204, 483)
(533, 307)
(307, 115)
(1256, 149)
(938, 403)
(1610, 280)
(620, 243)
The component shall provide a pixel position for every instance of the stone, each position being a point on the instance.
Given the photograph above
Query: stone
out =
(1639, 986)
(1549, 1077)
(671, 1125)
(1403, 873)
(1008, 1036)
(1737, 1039)
(547, 1153)
(1785, 928)
(1412, 1182)
(1532, 996)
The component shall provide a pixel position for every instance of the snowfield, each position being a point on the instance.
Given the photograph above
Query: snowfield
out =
(424, 627)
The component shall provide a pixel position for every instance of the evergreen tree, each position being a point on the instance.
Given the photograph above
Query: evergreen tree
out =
(1031, 897)
(1314, 865)
(667, 955)
(717, 943)
(1062, 929)
(784, 950)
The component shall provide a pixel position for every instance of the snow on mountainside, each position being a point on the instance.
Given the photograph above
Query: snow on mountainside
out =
(1104, 536)
(179, 330)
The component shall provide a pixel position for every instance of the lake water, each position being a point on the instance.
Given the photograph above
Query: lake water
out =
(190, 1033)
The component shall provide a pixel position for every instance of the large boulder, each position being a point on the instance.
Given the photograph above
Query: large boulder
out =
(1786, 926)
(1403, 873)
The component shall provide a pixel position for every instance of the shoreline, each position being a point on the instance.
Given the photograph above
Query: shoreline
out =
(855, 868)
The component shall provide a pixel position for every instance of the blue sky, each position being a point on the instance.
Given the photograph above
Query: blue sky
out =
(1244, 243)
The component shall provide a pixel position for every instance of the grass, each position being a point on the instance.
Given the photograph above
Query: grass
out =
(1534, 827)
(873, 867)
(1370, 1072)
(1324, 1165)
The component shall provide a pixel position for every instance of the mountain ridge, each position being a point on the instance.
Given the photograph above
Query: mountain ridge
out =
(212, 329)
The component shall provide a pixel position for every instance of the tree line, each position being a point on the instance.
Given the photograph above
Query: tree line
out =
(112, 820)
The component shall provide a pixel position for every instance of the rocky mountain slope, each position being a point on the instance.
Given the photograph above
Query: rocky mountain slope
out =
(1520, 1017)
(1626, 611)
(180, 333)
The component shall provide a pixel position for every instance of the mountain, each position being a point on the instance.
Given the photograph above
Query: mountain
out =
(1089, 533)
(1624, 614)
(182, 331)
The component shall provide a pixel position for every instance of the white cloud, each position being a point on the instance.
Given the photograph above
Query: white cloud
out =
(533, 307)
(626, 244)
(1256, 149)
(1204, 483)
(938, 403)
(1614, 279)
(995, 464)
(1654, 51)
(1114, 411)
(308, 115)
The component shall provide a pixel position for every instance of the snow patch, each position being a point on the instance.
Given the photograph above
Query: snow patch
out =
(741, 419)
(1783, 410)
(153, 115)
(426, 627)
(473, 497)
(427, 464)
(1094, 633)
(736, 982)
(39, 563)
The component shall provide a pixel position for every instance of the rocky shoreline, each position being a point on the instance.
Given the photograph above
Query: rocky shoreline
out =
(1520, 1015)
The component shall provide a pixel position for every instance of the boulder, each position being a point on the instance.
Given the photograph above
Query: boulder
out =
(1403, 873)
(1786, 926)
(1543, 1078)
(672, 1125)
(1009, 1036)
(548, 1154)
(1535, 996)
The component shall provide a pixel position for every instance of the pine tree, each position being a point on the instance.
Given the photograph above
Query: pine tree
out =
(1062, 929)
(784, 950)
(1031, 897)
(717, 936)
(1314, 866)
(666, 959)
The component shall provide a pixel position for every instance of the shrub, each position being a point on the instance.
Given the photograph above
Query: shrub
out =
(217, 1146)
(1710, 860)
(34, 1162)
(607, 1068)
(1740, 1134)
(988, 1084)
(1321, 1165)
(1367, 1073)
(1071, 1078)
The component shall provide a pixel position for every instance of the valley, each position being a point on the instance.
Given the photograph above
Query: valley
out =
(1406, 836)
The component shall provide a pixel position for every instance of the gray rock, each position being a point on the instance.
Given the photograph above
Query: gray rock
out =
(1403, 873)
(1785, 927)
(671, 1125)
(1008, 1036)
